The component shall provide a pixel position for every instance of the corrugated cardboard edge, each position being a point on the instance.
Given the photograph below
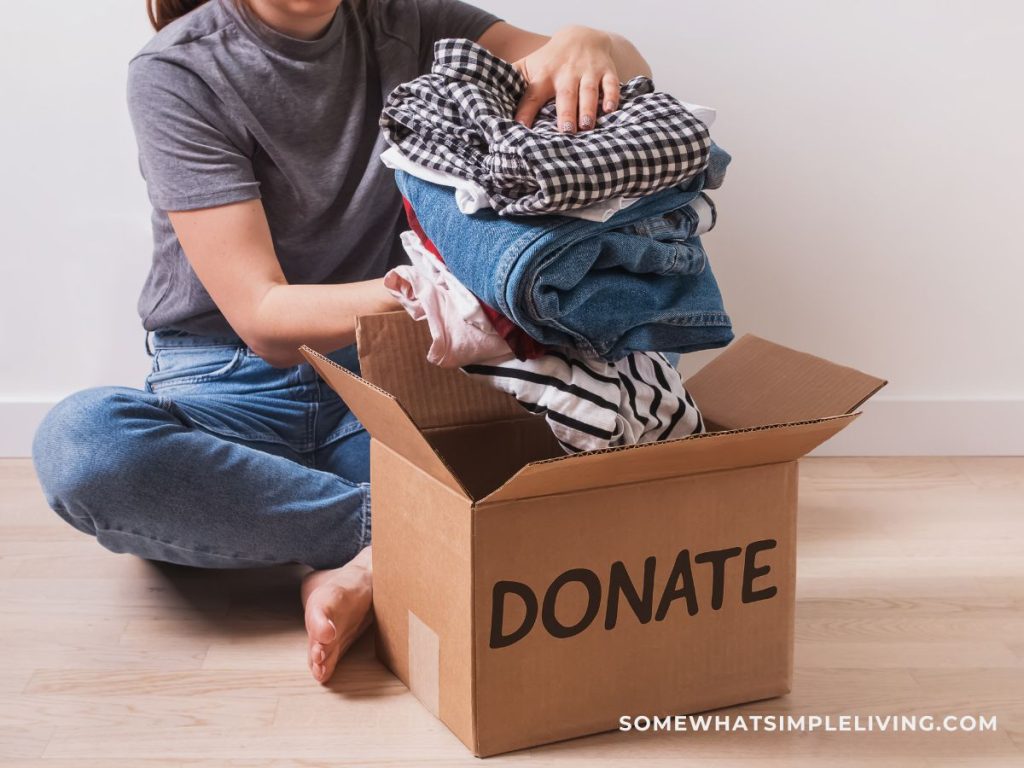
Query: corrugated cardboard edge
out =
(429, 460)
(701, 436)
(393, 355)
(502, 493)
(755, 381)
(474, 700)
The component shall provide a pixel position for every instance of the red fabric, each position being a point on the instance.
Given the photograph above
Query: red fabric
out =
(523, 346)
(414, 225)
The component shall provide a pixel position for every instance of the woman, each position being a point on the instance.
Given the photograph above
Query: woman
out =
(273, 224)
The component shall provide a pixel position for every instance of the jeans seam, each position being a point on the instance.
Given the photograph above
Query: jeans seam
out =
(367, 532)
(62, 510)
(341, 432)
(312, 417)
(158, 346)
(697, 320)
(237, 558)
(168, 404)
(675, 260)
(177, 381)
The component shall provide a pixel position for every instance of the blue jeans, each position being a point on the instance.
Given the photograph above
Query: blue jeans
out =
(639, 281)
(221, 462)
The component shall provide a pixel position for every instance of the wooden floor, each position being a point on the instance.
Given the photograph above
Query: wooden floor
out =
(910, 601)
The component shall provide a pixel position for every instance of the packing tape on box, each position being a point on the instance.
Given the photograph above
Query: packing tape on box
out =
(424, 664)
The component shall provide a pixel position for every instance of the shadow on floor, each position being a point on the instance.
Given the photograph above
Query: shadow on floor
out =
(230, 601)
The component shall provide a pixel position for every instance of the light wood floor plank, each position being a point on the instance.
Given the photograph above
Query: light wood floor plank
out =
(910, 601)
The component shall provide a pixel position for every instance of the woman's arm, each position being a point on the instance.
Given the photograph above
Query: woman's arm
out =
(577, 66)
(231, 251)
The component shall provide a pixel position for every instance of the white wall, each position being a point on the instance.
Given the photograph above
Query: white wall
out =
(871, 213)
(75, 236)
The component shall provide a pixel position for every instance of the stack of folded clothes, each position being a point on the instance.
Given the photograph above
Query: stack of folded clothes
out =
(560, 267)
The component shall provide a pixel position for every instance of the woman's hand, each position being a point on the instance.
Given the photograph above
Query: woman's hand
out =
(577, 68)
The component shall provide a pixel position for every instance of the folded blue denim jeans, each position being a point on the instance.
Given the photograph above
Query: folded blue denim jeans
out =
(637, 282)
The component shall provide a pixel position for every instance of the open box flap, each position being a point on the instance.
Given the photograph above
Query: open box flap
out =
(673, 458)
(756, 382)
(384, 418)
(393, 355)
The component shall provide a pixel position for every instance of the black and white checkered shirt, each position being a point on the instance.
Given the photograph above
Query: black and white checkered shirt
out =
(459, 118)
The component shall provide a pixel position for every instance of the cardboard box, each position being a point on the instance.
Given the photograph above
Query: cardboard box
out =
(526, 596)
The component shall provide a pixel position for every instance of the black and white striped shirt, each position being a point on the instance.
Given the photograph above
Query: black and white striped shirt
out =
(590, 403)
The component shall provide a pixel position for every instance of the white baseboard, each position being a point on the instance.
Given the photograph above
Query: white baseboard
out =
(888, 427)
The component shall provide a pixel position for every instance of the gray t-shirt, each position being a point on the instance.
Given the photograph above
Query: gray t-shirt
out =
(227, 109)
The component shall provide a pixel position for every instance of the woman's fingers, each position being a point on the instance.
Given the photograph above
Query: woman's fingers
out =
(567, 104)
(588, 96)
(610, 91)
(578, 100)
(535, 96)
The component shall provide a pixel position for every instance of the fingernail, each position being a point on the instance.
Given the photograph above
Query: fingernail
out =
(609, 106)
(586, 121)
(568, 126)
(318, 670)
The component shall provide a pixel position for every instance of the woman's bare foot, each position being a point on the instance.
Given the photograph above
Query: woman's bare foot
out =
(338, 609)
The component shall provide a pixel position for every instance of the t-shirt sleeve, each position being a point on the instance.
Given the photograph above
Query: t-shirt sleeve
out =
(190, 154)
(449, 18)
